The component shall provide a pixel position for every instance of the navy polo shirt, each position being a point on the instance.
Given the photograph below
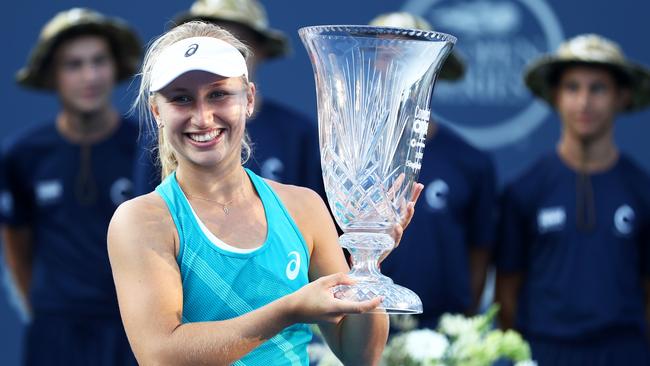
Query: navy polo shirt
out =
(285, 149)
(578, 283)
(455, 212)
(68, 210)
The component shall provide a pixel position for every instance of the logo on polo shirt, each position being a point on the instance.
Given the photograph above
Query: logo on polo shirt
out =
(6, 203)
(272, 168)
(48, 191)
(436, 194)
(121, 190)
(624, 220)
(293, 267)
(551, 219)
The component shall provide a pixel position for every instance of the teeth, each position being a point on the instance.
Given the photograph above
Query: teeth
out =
(204, 137)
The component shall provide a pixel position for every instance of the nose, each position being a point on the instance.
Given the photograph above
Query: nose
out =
(202, 116)
(583, 98)
(91, 72)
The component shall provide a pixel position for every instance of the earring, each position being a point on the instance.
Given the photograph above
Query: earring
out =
(160, 124)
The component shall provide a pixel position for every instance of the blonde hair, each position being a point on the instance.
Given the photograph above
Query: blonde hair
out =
(166, 157)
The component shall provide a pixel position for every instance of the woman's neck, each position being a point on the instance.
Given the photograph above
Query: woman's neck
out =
(221, 184)
(87, 128)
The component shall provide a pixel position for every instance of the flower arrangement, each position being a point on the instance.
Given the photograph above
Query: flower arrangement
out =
(458, 341)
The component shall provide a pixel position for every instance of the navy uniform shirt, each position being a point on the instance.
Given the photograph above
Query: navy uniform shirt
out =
(577, 283)
(285, 149)
(455, 212)
(68, 210)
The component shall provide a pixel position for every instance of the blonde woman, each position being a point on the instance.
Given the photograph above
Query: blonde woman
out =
(219, 266)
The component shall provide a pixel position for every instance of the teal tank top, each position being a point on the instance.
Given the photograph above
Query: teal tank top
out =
(222, 283)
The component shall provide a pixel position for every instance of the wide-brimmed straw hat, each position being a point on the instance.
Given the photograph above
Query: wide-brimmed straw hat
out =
(588, 49)
(454, 66)
(247, 13)
(77, 21)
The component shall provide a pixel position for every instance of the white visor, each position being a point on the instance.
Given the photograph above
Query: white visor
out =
(197, 53)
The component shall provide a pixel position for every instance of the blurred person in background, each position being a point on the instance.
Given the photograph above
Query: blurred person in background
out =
(573, 254)
(445, 254)
(62, 182)
(284, 142)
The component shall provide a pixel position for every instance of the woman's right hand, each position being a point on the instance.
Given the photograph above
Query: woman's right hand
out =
(315, 302)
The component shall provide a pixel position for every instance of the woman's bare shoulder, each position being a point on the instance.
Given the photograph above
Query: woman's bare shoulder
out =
(296, 198)
(307, 209)
(144, 220)
(143, 208)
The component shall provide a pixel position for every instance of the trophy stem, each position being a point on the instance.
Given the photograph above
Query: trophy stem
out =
(365, 265)
(366, 248)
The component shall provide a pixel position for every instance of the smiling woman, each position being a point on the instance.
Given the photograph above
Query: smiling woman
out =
(217, 108)
(201, 283)
(181, 55)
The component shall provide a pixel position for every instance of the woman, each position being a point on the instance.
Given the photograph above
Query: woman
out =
(218, 265)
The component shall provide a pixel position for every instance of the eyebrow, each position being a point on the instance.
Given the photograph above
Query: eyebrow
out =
(221, 82)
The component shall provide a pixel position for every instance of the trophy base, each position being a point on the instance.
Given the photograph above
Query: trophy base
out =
(396, 299)
(366, 248)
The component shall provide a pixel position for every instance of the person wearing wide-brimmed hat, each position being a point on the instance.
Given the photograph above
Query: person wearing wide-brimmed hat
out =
(447, 247)
(285, 142)
(62, 182)
(573, 254)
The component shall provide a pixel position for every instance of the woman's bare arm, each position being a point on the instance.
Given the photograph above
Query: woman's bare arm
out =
(356, 339)
(142, 245)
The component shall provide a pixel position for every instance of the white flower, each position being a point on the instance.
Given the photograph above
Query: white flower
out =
(463, 346)
(425, 344)
(526, 363)
(457, 325)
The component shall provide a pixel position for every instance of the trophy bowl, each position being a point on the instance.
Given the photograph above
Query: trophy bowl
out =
(373, 87)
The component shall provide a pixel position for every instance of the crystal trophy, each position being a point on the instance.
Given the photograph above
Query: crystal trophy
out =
(373, 87)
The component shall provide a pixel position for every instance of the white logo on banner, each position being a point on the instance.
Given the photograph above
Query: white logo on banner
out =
(293, 267)
(496, 38)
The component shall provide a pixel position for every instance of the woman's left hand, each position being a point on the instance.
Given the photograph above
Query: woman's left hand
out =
(398, 229)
